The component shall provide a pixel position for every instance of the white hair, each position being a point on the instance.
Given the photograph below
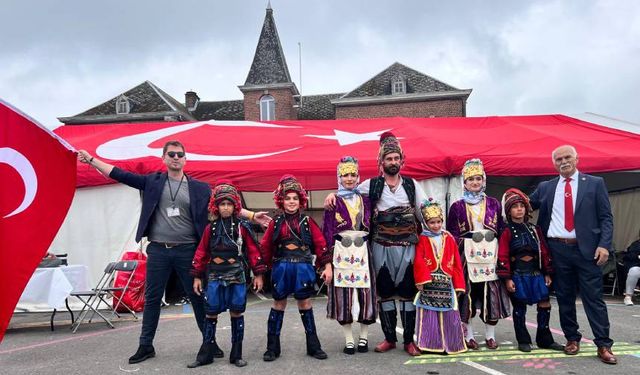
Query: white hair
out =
(573, 150)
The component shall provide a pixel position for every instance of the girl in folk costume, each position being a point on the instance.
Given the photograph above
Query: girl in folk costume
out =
(439, 278)
(228, 244)
(475, 221)
(525, 266)
(289, 244)
(346, 227)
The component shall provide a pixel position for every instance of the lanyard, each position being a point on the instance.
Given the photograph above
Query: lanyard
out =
(173, 197)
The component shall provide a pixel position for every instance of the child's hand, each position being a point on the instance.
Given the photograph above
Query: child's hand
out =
(197, 286)
(511, 286)
(547, 280)
(258, 283)
(420, 287)
(327, 274)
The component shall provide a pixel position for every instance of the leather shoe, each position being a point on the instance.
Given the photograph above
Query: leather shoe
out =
(363, 345)
(217, 352)
(385, 346)
(349, 349)
(412, 349)
(554, 346)
(572, 348)
(491, 344)
(197, 363)
(606, 356)
(524, 348)
(143, 353)
(472, 344)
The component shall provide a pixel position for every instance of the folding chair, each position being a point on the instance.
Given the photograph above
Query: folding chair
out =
(102, 292)
(122, 266)
(92, 297)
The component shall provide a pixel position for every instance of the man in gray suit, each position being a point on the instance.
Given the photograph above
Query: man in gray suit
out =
(575, 216)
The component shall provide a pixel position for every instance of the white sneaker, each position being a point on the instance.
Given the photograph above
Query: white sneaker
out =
(628, 301)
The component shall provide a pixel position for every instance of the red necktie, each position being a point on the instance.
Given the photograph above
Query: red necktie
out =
(568, 205)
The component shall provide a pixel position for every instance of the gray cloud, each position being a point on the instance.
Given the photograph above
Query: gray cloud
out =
(62, 57)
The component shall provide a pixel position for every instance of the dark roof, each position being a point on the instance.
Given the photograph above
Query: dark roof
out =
(222, 110)
(269, 65)
(143, 99)
(416, 82)
(318, 107)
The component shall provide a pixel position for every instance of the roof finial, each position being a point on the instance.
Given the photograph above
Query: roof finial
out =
(268, 4)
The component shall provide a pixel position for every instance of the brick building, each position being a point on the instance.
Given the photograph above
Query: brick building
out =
(270, 94)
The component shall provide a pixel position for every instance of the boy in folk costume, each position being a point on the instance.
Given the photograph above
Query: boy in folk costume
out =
(525, 266)
(227, 244)
(475, 221)
(346, 228)
(439, 277)
(289, 244)
(395, 222)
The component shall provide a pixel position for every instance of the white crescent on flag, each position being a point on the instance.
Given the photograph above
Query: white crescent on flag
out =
(137, 145)
(24, 168)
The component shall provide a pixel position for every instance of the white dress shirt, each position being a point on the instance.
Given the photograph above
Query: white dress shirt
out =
(556, 227)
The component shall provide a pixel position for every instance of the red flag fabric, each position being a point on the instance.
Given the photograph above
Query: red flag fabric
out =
(38, 174)
(255, 155)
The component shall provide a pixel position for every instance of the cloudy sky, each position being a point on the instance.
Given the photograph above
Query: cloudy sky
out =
(61, 57)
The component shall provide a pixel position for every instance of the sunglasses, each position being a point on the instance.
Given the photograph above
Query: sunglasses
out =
(172, 154)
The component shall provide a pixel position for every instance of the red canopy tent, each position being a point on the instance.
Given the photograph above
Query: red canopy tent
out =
(254, 155)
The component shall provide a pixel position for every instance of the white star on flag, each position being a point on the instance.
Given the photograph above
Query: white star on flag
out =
(348, 138)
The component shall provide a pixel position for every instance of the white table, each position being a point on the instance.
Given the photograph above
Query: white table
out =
(51, 287)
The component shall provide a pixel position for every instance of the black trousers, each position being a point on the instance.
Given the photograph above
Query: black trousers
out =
(574, 272)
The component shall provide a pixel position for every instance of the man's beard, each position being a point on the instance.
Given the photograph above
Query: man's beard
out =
(391, 170)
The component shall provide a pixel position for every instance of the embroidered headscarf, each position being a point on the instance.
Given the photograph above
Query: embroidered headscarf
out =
(225, 190)
(511, 197)
(347, 165)
(473, 167)
(287, 184)
(431, 209)
(388, 145)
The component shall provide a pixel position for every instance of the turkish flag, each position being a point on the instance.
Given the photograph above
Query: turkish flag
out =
(38, 174)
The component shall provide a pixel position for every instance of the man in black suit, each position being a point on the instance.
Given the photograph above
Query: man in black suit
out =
(575, 216)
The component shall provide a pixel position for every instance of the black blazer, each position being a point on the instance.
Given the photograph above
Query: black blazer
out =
(592, 214)
(151, 186)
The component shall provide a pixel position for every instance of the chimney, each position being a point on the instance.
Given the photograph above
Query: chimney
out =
(191, 100)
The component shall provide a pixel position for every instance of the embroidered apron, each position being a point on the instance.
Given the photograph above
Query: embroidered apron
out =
(351, 260)
(481, 253)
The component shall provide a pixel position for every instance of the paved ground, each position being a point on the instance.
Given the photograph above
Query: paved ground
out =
(30, 347)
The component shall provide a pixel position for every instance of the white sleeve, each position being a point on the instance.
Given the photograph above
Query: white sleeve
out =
(420, 194)
(364, 186)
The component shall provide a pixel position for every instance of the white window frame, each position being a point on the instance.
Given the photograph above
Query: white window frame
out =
(398, 87)
(123, 106)
(267, 108)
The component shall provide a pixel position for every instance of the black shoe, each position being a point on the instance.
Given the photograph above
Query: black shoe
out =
(197, 363)
(554, 346)
(144, 352)
(269, 356)
(349, 349)
(217, 352)
(240, 362)
(363, 345)
(524, 348)
(318, 354)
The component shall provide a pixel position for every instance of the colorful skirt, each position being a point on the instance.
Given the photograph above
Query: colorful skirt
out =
(439, 331)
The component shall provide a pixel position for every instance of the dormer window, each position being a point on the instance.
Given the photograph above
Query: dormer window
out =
(267, 108)
(398, 87)
(122, 105)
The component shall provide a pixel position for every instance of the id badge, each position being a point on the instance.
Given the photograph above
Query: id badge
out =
(173, 211)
